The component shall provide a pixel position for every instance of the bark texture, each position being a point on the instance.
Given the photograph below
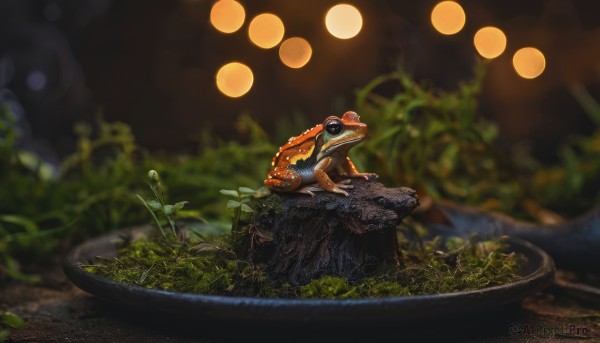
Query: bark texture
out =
(330, 234)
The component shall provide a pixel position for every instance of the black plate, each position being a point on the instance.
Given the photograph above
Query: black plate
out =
(537, 273)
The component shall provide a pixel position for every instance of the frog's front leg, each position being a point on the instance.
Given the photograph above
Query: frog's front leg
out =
(283, 180)
(325, 181)
(348, 169)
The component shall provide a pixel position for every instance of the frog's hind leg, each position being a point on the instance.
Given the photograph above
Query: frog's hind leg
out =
(309, 189)
(315, 187)
(283, 180)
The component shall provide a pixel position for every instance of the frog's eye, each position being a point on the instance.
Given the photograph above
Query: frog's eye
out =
(334, 127)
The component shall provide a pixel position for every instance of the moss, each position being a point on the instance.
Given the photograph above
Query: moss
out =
(189, 261)
(210, 267)
(333, 287)
(431, 267)
(206, 267)
(329, 287)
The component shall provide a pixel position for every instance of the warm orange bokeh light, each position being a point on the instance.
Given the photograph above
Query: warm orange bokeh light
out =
(490, 42)
(227, 16)
(295, 52)
(234, 79)
(266, 30)
(343, 21)
(448, 17)
(529, 62)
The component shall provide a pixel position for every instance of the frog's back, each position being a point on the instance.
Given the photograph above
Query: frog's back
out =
(296, 148)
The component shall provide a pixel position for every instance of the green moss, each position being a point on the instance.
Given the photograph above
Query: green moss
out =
(211, 267)
(431, 267)
(205, 267)
(188, 261)
(334, 287)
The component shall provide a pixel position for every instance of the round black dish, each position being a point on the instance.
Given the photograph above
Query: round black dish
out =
(537, 273)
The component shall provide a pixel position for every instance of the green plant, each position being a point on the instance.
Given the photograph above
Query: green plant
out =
(90, 195)
(247, 206)
(572, 186)
(435, 142)
(158, 206)
(184, 259)
(8, 322)
(95, 189)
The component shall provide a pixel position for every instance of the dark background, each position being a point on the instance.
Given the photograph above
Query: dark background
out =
(152, 64)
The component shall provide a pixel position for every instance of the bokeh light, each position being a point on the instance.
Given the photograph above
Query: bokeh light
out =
(448, 17)
(295, 52)
(343, 21)
(36, 80)
(234, 79)
(227, 16)
(266, 30)
(490, 42)
(529, 62)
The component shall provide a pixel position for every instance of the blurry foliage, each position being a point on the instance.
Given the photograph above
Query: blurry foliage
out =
(573, 186)
(422, 138)
(219, 165)
(94, 192)
(435, 142)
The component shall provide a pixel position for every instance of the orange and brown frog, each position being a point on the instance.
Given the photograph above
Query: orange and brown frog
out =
(304, 164)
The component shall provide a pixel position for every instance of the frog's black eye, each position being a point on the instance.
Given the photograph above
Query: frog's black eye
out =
(334, 127)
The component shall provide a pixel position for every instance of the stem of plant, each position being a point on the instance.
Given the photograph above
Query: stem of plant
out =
(158, 225)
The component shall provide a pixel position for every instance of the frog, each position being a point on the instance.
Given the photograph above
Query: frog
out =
(306, 163)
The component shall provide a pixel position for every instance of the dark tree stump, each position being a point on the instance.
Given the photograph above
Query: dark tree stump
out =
(330, 234)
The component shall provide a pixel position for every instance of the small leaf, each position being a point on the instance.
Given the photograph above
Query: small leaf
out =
(154, 204)
(246, 208)
(179, 205)
(12, 320)
(261, 192)
(232, 193)
(27, 224)
(246, 190)
(13, 271)
(4, 335)
(233, 204)
(168, 210)
(200, 229)
(204, 246)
